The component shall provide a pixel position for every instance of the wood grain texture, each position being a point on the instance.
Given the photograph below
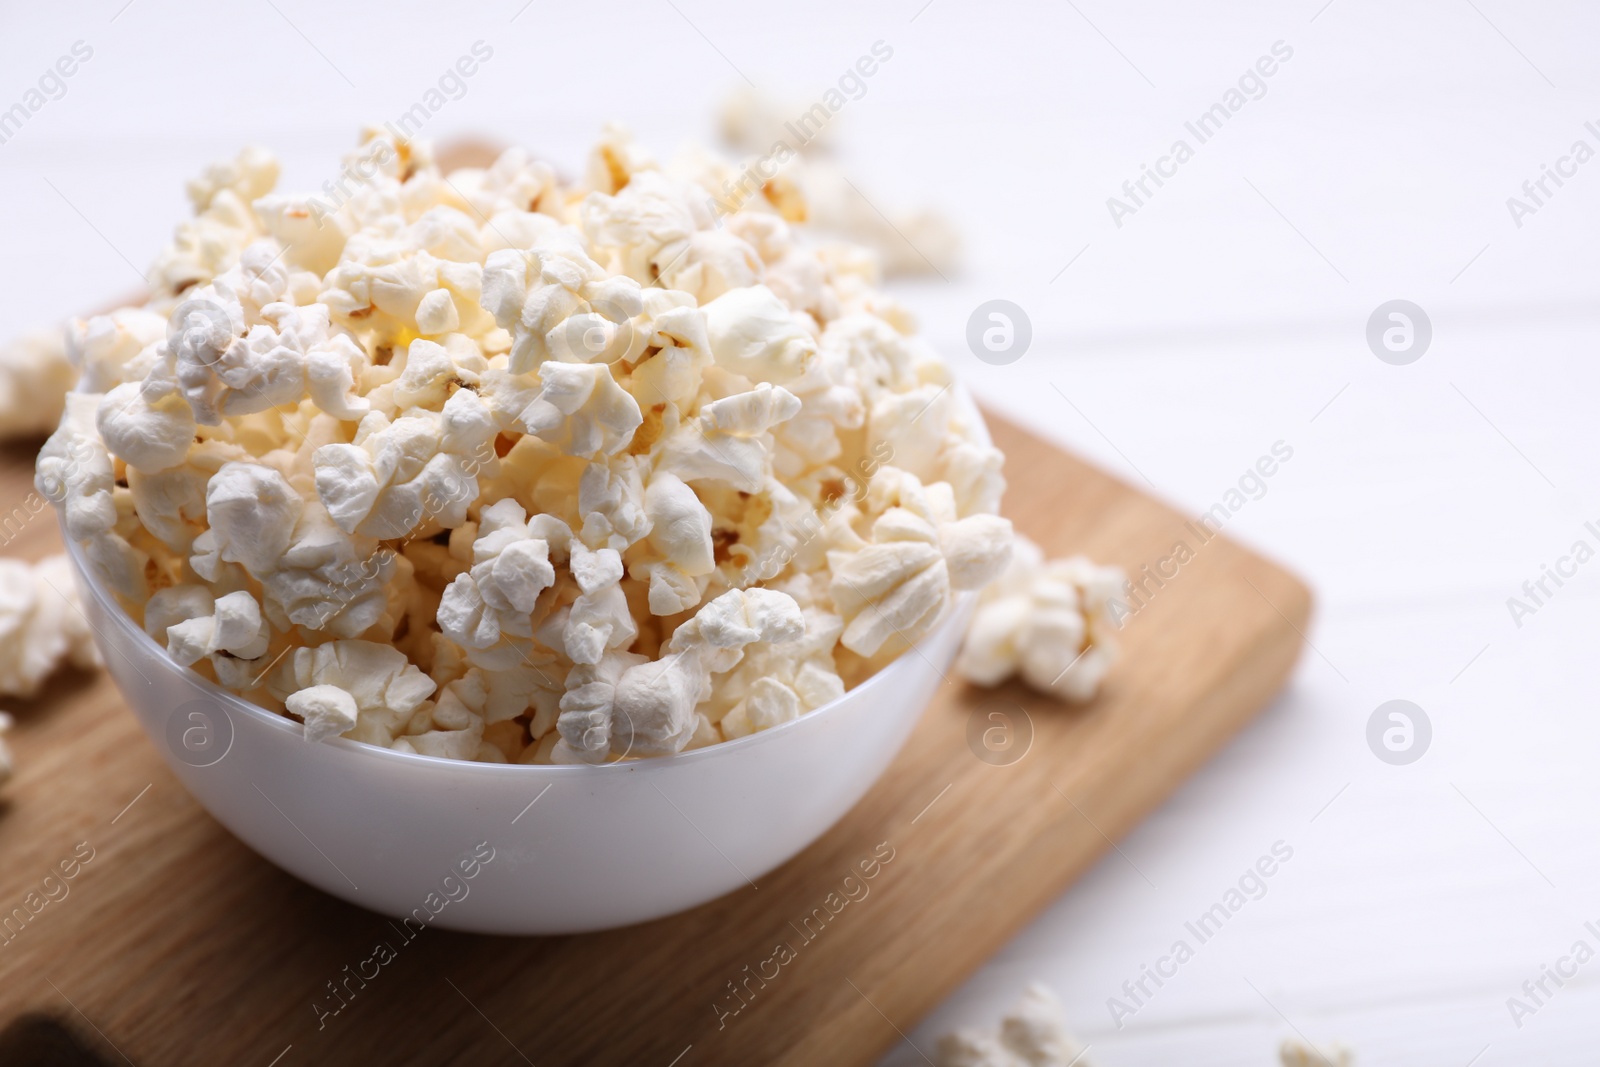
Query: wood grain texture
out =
(176, 945)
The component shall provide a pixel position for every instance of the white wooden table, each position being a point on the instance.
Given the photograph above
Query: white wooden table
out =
(1227, 313)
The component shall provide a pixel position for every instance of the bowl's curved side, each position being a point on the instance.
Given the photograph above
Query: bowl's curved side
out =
(573, 848)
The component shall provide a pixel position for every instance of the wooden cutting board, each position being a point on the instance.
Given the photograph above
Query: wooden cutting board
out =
(175, 945)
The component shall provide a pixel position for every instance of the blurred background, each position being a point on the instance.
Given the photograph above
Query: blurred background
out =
(1178, 333)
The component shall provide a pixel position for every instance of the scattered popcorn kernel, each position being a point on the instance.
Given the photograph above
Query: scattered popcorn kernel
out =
(42, 625)
(1051, 622)
(1032, 1035)
(1296, 1053)
(809, 181)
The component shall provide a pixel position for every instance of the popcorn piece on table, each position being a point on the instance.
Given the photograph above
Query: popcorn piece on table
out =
(1033, 1034)
(752, 121)
(1051, 622)
(1296, 1053)
(907, 242)
(510, 469)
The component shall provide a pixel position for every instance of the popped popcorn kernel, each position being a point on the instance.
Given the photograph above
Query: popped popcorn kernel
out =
(1033, 1034)
(42, 625)
(1296, 1053)
(1052, 623)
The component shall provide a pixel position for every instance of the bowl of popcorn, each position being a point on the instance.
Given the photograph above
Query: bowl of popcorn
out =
(519, 554)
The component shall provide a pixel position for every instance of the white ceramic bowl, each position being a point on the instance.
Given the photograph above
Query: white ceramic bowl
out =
(574, 848)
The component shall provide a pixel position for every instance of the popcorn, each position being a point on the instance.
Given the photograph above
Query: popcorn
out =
(148, 425)
(753, 121)
(714, 262)
(110, 349)
(508, 469)
(1052, 623)
(644, 229)
(327, 710)
(1032, 1035)
(75, 473)
(680, 526)
(654, 706)
(613, 505)
(383, 687)
(778, 682)
(560, 305)
(35, 374)
(1296, 1053)
(234, 626)
(918, 553)
(329, 581)
(453, 728)
(510, 568)
(253, 511)
(751, 332)
(600, 619)
(171, 504)
(397, 474)
(224, 223)
(262, 369)
(586, 708)
(581, 410)
(730, 441)
(906, 242)
(42, 624)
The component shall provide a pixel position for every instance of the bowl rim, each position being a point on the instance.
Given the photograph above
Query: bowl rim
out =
(959, 612)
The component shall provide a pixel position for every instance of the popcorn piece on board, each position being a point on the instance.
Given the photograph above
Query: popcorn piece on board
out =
(1051, 622)
(42, 624)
